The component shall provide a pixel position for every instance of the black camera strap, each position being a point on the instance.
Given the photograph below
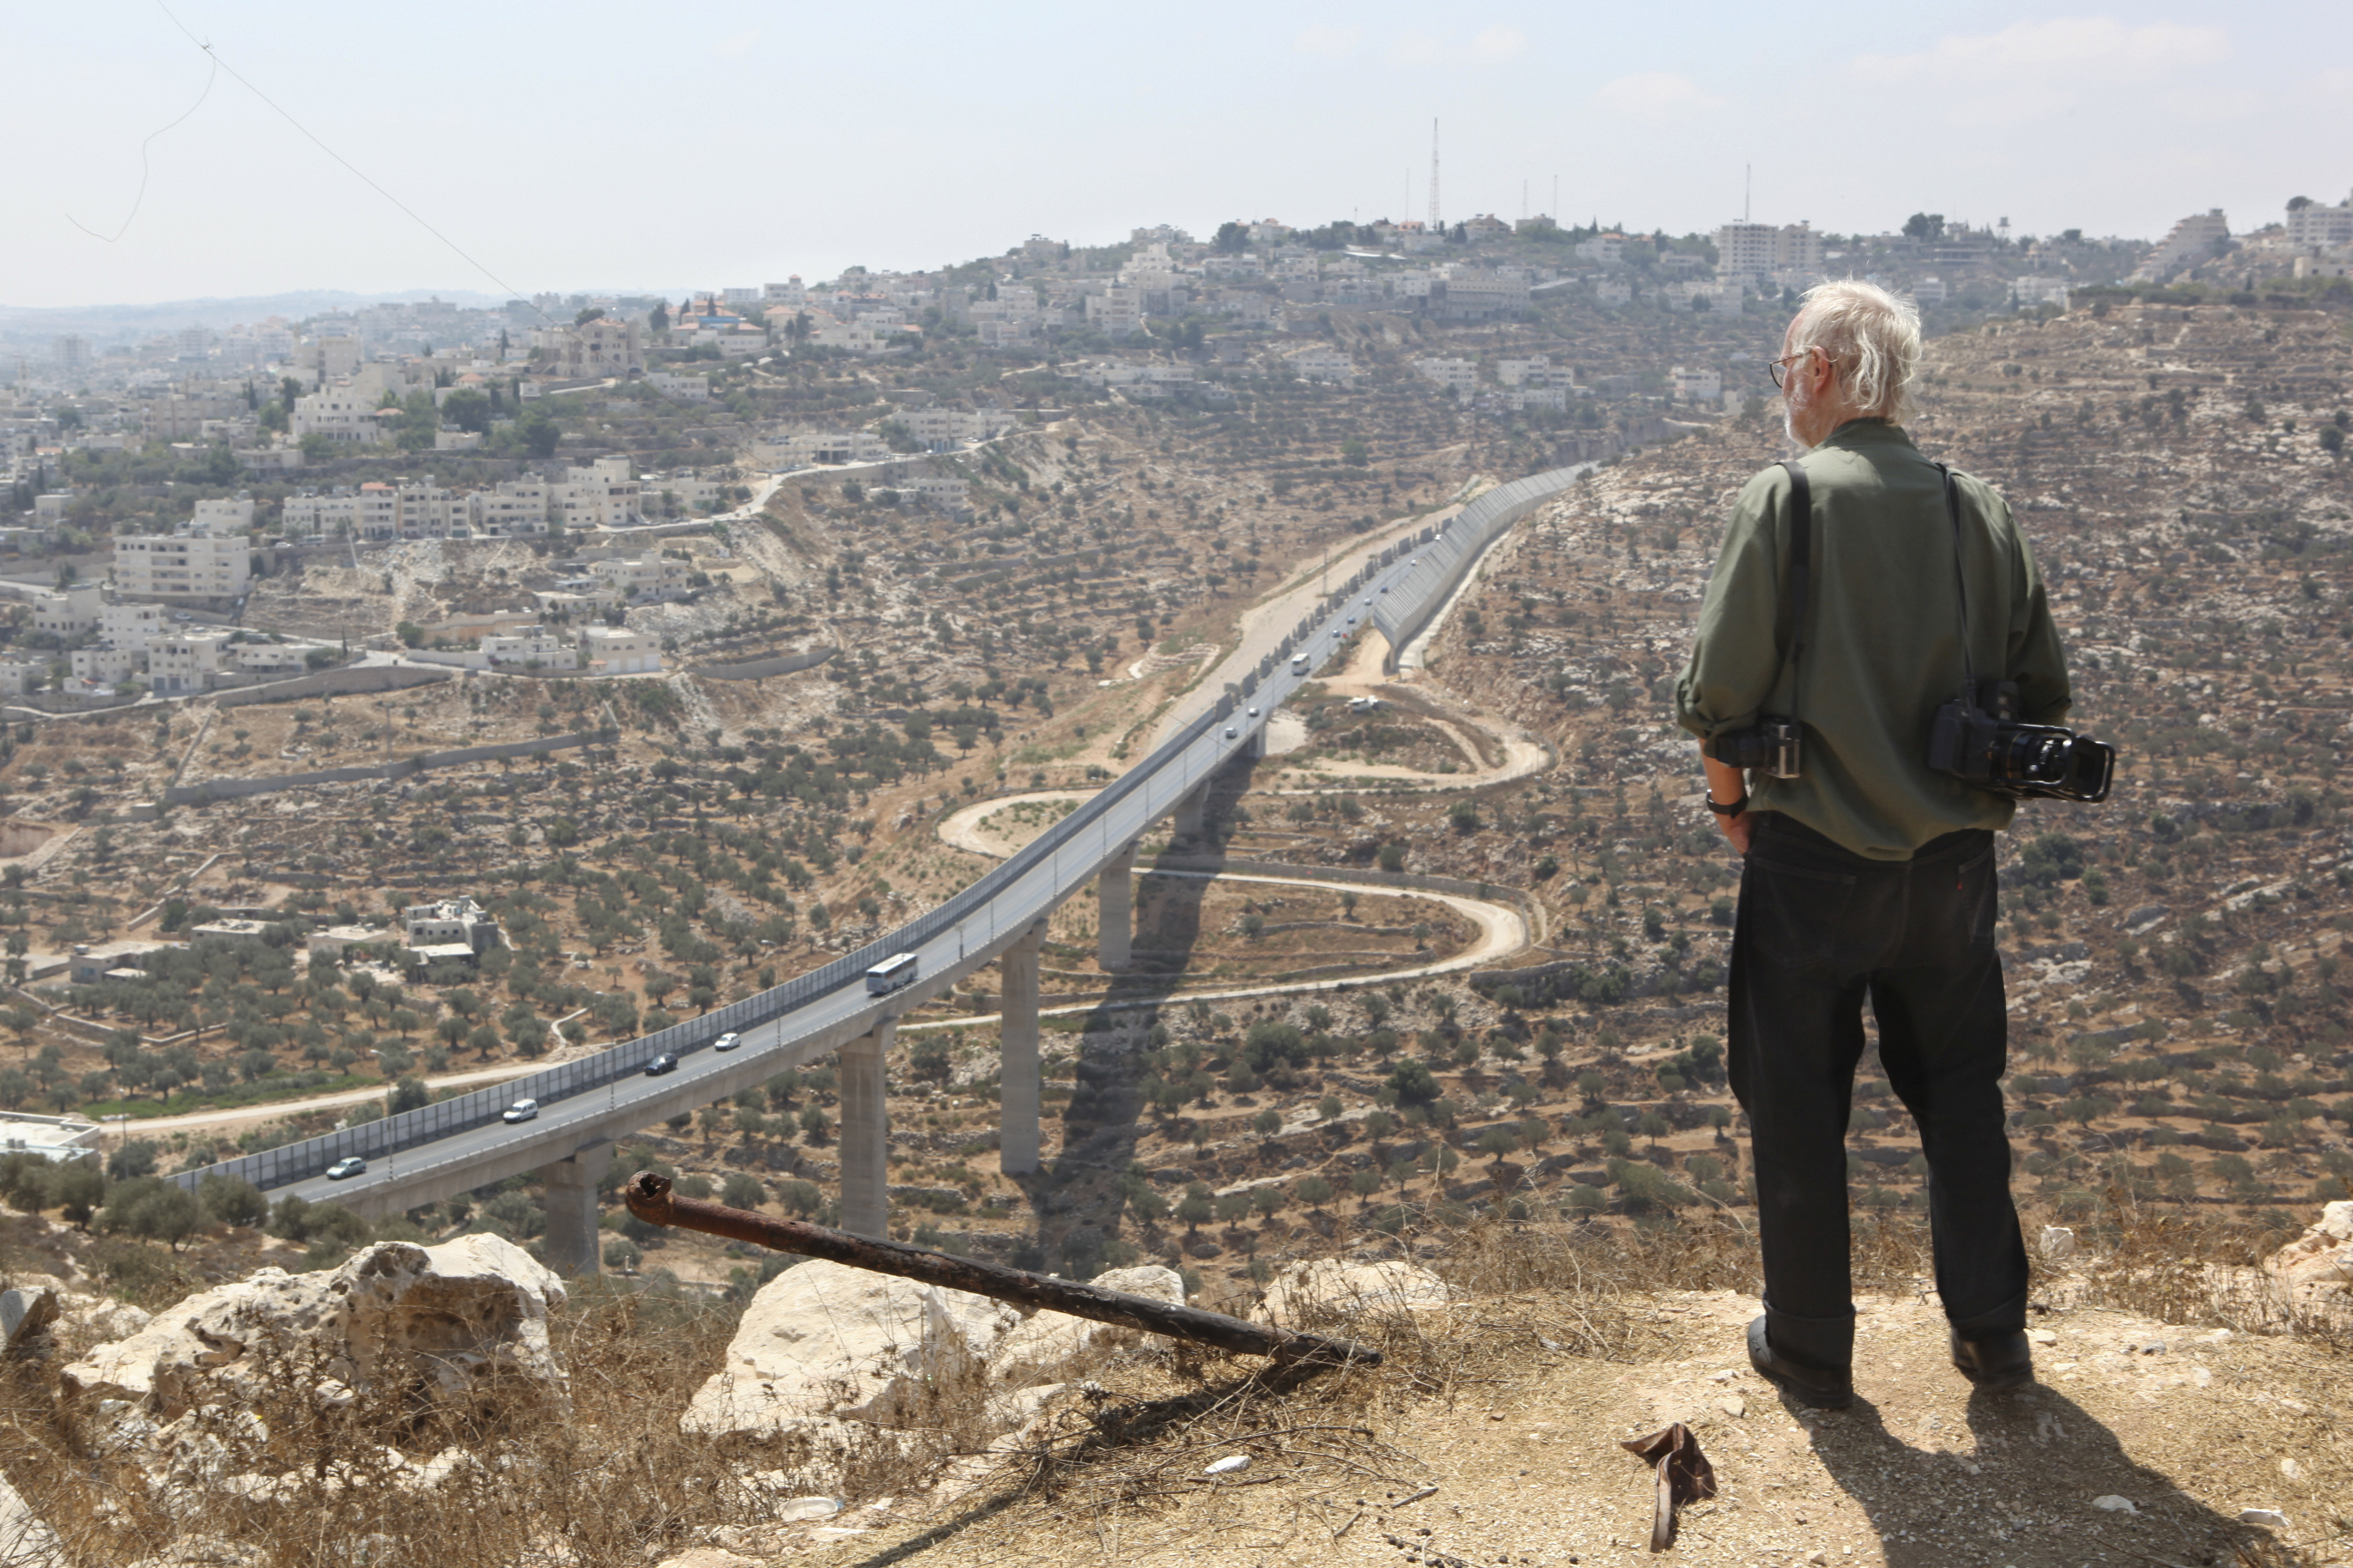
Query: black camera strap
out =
(1960, 583)
(1801, 550)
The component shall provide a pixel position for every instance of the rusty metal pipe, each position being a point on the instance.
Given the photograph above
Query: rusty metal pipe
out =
(649, 1198)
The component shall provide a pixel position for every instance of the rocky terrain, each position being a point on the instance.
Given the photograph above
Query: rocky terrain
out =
(1438, 988)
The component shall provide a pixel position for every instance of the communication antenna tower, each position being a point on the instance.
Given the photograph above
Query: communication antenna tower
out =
(1435, 225)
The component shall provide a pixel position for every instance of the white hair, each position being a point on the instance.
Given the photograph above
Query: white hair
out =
(1871, 335)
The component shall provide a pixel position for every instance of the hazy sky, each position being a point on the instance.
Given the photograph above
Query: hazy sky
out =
(702, 144)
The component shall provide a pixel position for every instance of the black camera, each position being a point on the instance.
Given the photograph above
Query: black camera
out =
(1993, 751)
(1773, 745)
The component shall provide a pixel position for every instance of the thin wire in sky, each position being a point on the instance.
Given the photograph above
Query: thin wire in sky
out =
(356, 171)
(210, 77)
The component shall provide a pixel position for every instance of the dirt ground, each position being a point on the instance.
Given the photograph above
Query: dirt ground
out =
(1512, 1457)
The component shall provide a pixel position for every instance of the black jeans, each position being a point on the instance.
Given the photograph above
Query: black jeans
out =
(1819, 928)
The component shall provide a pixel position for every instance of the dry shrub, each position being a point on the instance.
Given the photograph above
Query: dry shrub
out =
(600, 1486)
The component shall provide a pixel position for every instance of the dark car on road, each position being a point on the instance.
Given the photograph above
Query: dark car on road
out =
(666, 1062)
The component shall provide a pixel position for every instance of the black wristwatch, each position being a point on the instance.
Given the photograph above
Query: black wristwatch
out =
(1735, 809)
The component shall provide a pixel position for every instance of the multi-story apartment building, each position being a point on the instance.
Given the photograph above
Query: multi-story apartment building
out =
(183, 662)
(338, 414)
(1117, 312)
(1754, 250)
(599, 348)
(230, 516)
(2320, 228)
(328, 359)
(182, 415)
(131, 627)
(181, 566)
(2198, 238)
(599, 496)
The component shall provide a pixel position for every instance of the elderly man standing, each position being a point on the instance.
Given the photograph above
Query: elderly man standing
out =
(1866, 873)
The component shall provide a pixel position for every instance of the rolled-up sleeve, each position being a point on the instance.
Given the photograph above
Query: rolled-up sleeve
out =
(1735, 655)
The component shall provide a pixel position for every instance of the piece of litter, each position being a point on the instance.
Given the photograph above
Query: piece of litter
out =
(2270, 1516)
(2291, 1470)
(2115, 1504)
(1683, 1475)
(1230, 1465)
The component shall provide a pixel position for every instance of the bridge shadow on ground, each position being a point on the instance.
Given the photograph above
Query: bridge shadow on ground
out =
(1076, 1202)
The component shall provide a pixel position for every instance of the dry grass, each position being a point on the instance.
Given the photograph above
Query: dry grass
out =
(614, 1480)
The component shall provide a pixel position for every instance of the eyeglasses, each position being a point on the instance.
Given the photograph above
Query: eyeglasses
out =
(1779, 369)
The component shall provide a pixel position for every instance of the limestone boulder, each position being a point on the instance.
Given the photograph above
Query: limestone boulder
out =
(2323, 1254)
(823, 1343)
(471, 1315)
(1329, 1289)
(24, 1538)
(1046, 1342)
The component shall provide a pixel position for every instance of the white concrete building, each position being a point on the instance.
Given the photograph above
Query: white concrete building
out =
(1757, 250)
(1323, 363)
(130, 626)
(1457, 375)
(101, 666)
(69, 613)
(2027, 292)
(1695, 386)
(1117, 312)
(603, 347)
(619, 650)
(338, 414)
(640, 577)
(448, 921)
(183, 567)
(602, 495)
(227, 517)
(2198, 238)
(2318, 228)
(685, 388)
(183, 662)
(533, 646)
(1608, 250)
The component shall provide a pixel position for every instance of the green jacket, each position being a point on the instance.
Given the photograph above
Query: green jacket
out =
(1883, 649)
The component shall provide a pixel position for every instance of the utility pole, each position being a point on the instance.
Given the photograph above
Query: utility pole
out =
(1436, 225)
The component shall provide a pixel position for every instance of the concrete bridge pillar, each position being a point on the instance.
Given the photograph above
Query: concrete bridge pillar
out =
(1017, 1126)
(1192, 810)
(571, 1199)
(1115, 911)
(866, 1134)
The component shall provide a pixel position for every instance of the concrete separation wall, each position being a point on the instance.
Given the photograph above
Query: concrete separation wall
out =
(757, 669)
(233, 789)
(336, 682)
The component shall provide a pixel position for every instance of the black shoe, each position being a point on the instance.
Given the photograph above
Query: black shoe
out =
(1821, 1390)
(1996, 1362)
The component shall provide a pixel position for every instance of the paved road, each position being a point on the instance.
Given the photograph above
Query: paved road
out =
(815, 1014)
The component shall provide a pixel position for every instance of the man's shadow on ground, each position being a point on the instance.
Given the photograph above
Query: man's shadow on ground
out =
(2040, 1460)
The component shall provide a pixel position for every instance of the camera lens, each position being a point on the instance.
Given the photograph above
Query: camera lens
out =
(2025, 756)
